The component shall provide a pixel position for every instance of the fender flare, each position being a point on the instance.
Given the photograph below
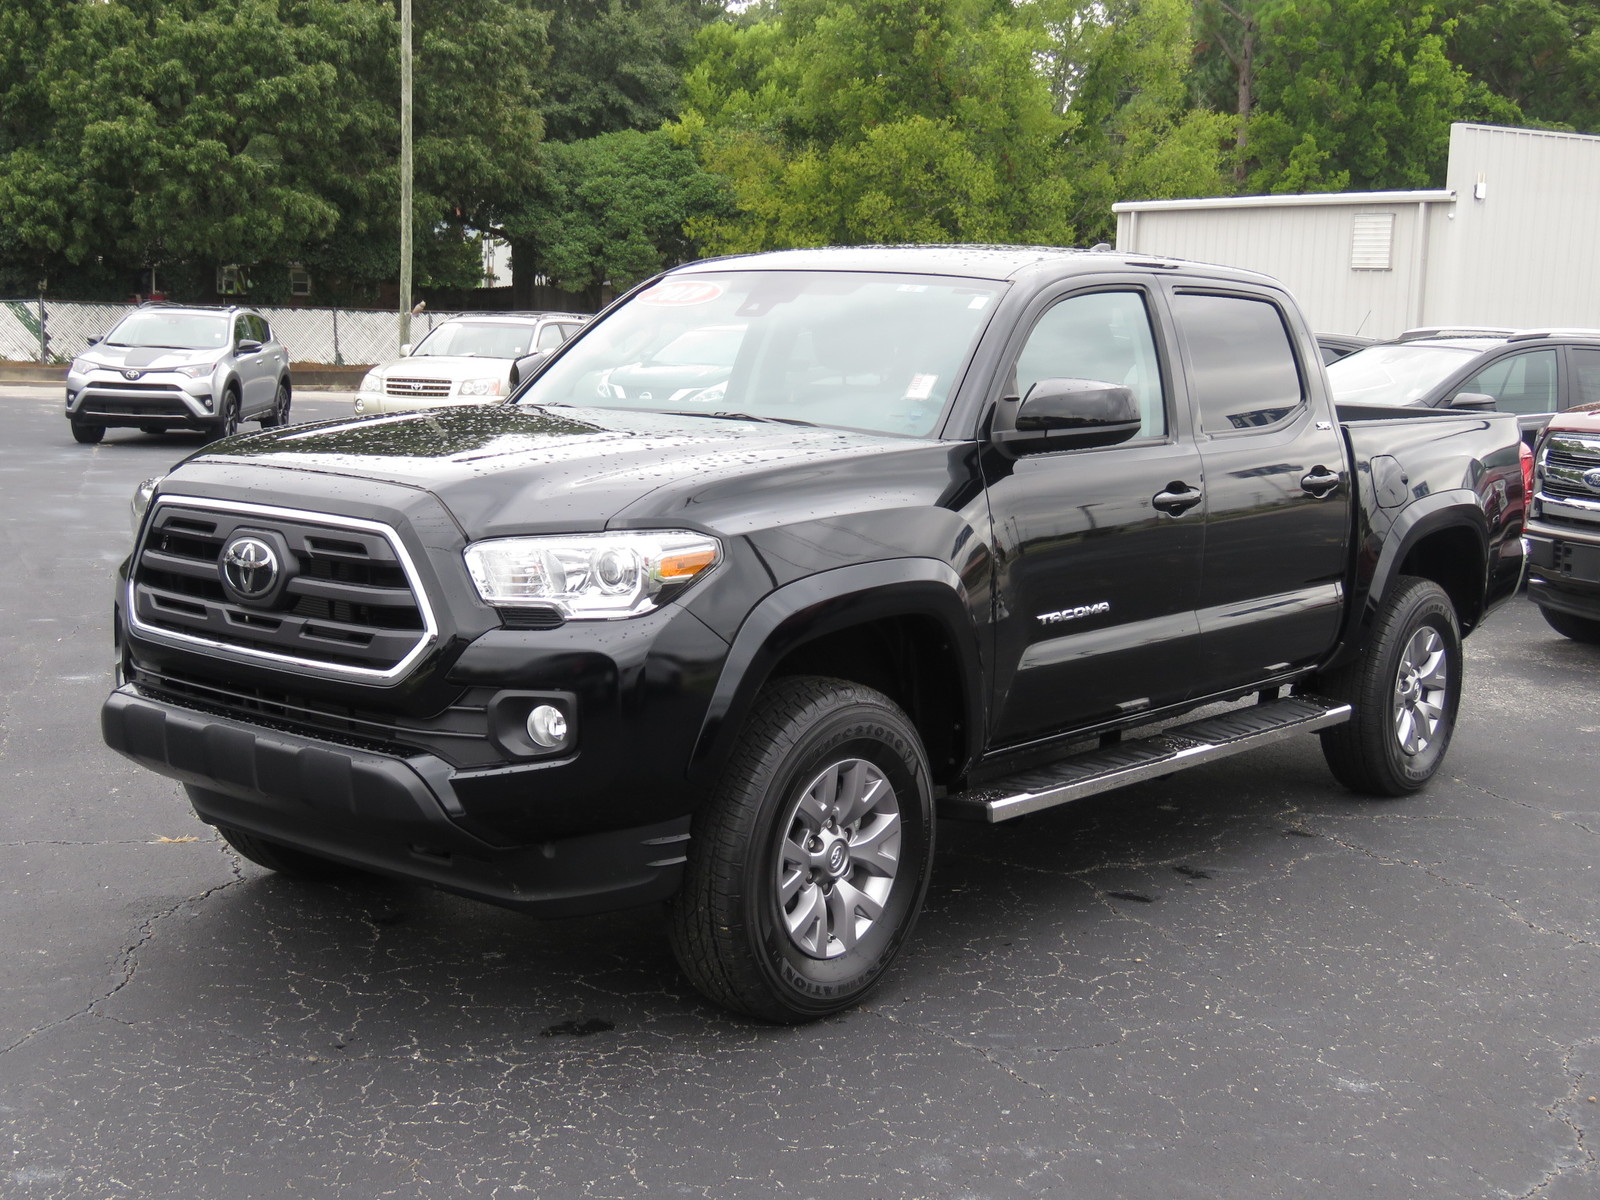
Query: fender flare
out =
(1458, 508)
(826, 603)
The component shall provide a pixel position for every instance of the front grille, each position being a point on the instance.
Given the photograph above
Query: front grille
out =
(1567, 458)
(136, 406)
(416, 387)
(348, 600)
(128, 385)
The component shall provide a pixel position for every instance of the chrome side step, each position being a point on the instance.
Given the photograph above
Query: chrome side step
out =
(1172, 749)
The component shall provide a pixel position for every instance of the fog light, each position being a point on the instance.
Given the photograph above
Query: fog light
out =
(547, 726)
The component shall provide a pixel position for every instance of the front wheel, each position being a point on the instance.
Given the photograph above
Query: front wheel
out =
(87, 433)
(808, 866)
(284, 860)
(278, 415)
(1405, 690)
(227, 422)
(1579, 629)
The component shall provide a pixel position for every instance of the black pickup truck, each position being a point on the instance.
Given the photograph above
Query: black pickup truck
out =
(783, 558)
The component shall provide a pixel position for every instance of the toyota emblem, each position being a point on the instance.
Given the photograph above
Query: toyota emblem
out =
(250, 566)
(132, 374)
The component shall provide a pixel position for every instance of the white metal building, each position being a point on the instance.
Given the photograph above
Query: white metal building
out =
(1513, 239)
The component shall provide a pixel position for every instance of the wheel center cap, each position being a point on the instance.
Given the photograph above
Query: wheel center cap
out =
(837, 860)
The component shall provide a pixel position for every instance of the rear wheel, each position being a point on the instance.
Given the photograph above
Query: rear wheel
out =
(1579, 629)
(808, 866)
(285, 860)
(1405, 691)
(87, 433)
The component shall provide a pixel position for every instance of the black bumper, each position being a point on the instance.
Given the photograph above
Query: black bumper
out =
(398, 816)
(1564, 571)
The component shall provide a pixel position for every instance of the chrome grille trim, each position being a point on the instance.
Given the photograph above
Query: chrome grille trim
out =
(425, 638)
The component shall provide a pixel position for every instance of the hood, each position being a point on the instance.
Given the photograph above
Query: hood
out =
(505, 469)
(146, 358)
(1584, 421)
(446, 366)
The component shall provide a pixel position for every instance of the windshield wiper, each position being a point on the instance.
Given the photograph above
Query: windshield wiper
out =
(729, 416)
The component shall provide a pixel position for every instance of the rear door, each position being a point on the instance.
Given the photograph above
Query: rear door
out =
(1277, 521)
(1098, 551)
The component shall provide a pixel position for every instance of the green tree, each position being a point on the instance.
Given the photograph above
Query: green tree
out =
(617, 64)
(1539, 58)
(1355, 94)
(611, 210)
(1137, 137)
(879, 120)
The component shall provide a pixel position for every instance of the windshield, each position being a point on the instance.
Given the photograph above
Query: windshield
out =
(476, 339)
(1394, 374)
(857, 350)
(171, 331)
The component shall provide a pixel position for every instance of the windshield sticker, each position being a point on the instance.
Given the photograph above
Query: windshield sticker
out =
(679, 293)
(921, 387)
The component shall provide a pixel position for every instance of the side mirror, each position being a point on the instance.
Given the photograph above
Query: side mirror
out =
(1066, 414)
(526, 365)
(249, 346)
(93, 341)
(405, 350)
(1474, 401)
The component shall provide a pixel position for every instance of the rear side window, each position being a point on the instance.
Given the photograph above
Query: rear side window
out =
(1242, 366)
(1520, 383)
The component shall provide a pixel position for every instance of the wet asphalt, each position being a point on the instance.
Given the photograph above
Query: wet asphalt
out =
(1238, 982)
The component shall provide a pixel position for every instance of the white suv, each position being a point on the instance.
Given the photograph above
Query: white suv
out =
(466, 360)
(179, 366)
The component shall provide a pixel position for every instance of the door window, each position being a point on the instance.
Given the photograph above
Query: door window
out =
(1103, 336)
(550, 336)
(1242, 365)
(1519, 383)
(1585, 377)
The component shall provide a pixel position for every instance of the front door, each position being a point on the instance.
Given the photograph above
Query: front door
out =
(1098, 550)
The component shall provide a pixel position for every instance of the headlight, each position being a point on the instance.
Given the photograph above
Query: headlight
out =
(481, 387)
(197, 371)
(594, 577)
(369, 383)
(142, 496)
(79, 366)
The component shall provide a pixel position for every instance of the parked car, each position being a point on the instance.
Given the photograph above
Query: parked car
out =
(469, 359)
(180, 366)
(1533, 373)
(966, 531)
(1564, 527)
(1335, 346)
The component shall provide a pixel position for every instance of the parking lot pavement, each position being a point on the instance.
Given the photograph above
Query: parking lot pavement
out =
(1238, 982)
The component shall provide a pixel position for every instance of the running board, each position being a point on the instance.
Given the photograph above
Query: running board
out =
(1172, 749)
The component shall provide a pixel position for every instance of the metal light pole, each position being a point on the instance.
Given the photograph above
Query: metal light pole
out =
(405, 171)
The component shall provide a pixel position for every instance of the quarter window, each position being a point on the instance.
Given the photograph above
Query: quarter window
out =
(1519, 383)
(1242, 365)
(1103, 336)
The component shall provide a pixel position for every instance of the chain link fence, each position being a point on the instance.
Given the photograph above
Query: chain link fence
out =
(53, 331)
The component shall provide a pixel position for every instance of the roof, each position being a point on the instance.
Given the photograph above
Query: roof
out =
(969, 261)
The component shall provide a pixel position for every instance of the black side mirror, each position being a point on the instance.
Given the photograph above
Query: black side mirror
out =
(1473, 401)
(94, 341)
(1067, 414)
(248, 346)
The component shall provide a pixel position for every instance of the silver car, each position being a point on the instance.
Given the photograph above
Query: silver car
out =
(169, 366)
(470, 359)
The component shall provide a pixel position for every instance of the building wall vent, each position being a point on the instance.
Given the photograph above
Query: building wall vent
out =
(1372, 242)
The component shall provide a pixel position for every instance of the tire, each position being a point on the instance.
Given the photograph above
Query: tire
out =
(153, 430)
(278, 415)
(1406, 691)
(227, 422)
(87, 434)
(808, 866)
(284, 860)
(1579, 629)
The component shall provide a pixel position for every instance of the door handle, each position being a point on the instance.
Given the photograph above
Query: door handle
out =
(1178, 499)
(1319, 482)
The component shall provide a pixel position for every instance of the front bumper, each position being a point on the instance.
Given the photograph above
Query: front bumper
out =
(157, 398)
(395, 815)
(1564, 558)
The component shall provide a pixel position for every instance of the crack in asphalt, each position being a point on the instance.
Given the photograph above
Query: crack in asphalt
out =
(129, 963)
(1562, 1111)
